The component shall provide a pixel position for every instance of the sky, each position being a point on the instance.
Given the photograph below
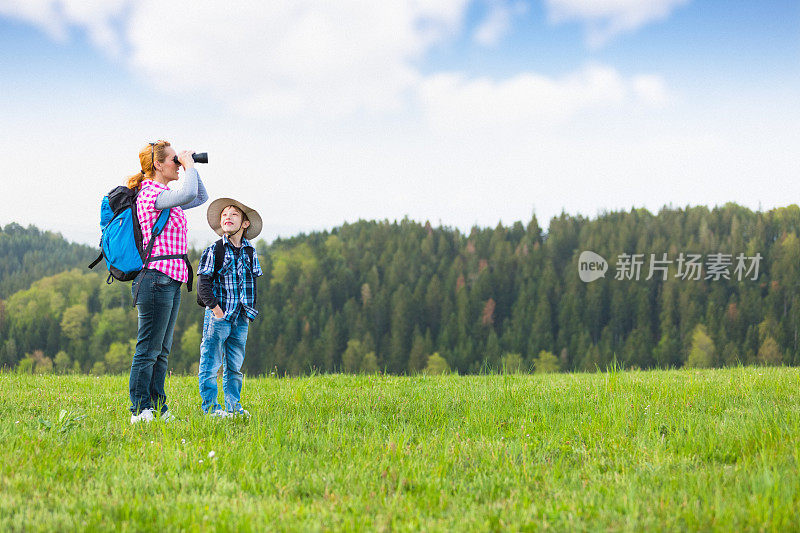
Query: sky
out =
(462, 113)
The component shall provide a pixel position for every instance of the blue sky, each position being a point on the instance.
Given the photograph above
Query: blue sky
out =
(460, 112)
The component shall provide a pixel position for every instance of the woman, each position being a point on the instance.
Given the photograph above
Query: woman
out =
(159, 284)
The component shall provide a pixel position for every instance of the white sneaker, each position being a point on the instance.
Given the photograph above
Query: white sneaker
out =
(144, 416)
(240, 412)
(167, 416)
(219, 413)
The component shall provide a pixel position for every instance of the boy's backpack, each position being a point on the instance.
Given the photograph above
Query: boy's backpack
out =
(121, 240)
(219, 257)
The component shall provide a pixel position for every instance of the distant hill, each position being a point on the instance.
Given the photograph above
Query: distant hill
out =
(688, 286)
(28, 254)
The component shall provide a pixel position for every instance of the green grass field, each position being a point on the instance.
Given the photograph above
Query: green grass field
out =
(621, 451)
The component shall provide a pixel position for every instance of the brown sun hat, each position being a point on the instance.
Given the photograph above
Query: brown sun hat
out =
(215, 211)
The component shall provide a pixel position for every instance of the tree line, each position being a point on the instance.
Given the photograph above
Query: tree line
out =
(405, 297)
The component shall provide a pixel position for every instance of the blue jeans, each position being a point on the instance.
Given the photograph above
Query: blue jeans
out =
(158, 304)
(223, 343)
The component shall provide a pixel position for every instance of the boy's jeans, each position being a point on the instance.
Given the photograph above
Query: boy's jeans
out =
(223, 341)
(158, 304)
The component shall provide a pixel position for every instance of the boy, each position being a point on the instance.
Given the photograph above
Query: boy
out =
(227, 288)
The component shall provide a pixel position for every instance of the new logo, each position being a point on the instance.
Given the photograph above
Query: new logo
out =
(591, 266)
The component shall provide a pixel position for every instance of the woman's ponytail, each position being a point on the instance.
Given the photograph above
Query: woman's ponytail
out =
(148, 155)
(135, 181)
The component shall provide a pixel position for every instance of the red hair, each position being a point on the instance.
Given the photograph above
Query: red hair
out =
(148, 155)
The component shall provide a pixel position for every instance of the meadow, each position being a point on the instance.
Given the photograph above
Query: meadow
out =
(620, 451)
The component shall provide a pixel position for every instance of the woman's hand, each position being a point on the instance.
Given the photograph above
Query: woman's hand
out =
(218, 312)
(186, 160)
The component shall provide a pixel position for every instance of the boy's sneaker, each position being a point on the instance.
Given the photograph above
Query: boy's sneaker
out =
(144, 416)
(167, 416)
(240, 412)
(219, 413)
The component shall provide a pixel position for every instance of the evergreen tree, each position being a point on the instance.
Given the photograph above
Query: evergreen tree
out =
(702, 353)
(437, 365)
(353, 357)
(546, 362)
(418, 358)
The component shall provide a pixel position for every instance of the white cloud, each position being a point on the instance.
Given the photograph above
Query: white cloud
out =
(324, 58)
(317, 60)
(497, 22)
(650, 89)
(55, 17)
(43, 13)
(530, 101)
(606, 19)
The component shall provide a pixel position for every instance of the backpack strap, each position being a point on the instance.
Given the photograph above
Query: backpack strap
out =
(99, 258)
(219, 256)
(158, 227)
(252, 266)
(159, 258)
(191, 272)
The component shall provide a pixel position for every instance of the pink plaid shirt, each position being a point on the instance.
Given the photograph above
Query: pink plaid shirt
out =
(172, 240)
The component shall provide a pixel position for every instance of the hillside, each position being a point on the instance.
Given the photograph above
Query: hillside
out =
(696, 286)
(28, 254)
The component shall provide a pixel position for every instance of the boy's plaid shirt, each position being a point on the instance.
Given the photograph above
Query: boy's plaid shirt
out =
(235, 282)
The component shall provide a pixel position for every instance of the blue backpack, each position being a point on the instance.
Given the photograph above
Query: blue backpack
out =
(121, 241)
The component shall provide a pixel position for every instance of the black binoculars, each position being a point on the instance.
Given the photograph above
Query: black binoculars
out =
(202, 157)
